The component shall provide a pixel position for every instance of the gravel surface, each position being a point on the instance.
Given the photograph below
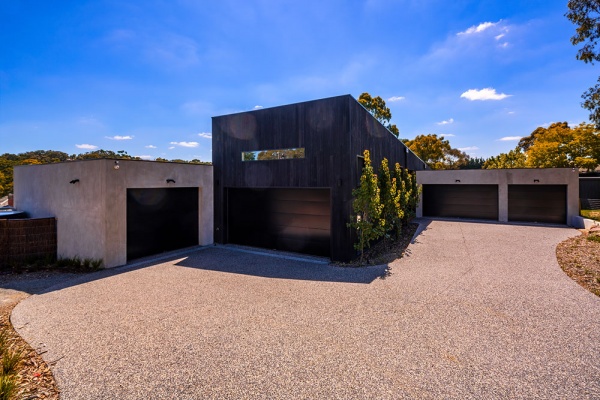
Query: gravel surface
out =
(472, 311)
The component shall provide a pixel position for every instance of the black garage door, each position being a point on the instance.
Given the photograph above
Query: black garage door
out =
(537, 203)
(461, 201)
(296, 220)
(160, 220)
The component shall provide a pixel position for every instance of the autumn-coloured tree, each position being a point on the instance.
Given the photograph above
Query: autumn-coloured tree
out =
(437, 152)
(376, 106)
(367, 208)
(560, 146)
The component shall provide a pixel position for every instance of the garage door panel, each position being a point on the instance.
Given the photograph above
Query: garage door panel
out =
(280, 218)
(537, 203)
(302, 220)
(160, 220)
(300, 207)
(461, 201)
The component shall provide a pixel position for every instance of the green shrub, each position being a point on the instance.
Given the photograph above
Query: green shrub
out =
(10, 361)
(594, 238)
(8, 387)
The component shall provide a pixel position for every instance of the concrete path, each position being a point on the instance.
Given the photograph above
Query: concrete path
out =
(474, 311)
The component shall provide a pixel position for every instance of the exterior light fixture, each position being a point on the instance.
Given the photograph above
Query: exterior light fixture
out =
(116, 165)
(457, 181)
(536, 181)
(74, 181)
(170, 180)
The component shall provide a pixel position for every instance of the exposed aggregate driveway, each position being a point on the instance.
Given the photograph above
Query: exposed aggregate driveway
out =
(473, 310)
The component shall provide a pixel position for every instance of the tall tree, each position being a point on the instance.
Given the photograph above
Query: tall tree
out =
(367, 208)
(376, 106)
(585, 14)
(560, 146)
(437, 152)
(513, 159)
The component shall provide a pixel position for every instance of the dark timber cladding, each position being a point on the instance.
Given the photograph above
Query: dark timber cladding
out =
(160, 220)
(537, 203)
(461, 201)
(332, 132)
(284, 219)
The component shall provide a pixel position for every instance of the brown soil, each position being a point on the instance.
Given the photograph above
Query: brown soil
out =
(386, 250)
(579, 257)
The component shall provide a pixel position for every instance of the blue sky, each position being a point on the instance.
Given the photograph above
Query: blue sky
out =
(147, 77)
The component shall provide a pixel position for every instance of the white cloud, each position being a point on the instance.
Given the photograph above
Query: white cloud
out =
(150, 146)
(510, 138)
(205, 135)
(500, 36)
(185, 144)
(146, 157)
(448, 135)
(257, 107)
(483, 94)
(479, 28)
(86, 146)
(396, 98)
(171, 148)
(469, 148)
(117, 137)
(504, 45)
(446, 122)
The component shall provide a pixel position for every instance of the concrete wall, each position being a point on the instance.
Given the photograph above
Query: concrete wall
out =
(505, 177)
(91, 214)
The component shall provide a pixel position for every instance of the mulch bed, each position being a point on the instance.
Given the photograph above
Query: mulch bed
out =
(35, 380)
(579, 257)
(386, 250)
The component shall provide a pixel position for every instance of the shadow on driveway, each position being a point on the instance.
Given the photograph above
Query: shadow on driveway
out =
(271, 265)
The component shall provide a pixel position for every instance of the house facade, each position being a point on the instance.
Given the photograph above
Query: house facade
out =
(283, 176)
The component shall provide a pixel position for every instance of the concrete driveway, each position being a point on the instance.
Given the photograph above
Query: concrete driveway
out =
(473, 311)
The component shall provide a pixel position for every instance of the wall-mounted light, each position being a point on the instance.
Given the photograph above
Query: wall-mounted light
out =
(536, 181)
(457, 181)
(170, 180)
(74, 181)
(116, 166)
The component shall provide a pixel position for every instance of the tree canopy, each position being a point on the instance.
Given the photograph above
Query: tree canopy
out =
(557, 146)
(560, 146)
(377, 107)
(513, 159)
(585, 14)
(437, 152)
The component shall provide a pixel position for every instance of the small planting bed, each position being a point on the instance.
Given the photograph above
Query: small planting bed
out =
(579, 257)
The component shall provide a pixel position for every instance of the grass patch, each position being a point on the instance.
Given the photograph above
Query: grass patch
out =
(591, 214)
(594, 238)
(9, 366)
(72, 264)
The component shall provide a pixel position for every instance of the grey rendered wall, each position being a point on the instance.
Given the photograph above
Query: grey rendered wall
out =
(45, 191)
(92, 214)
(148, 174)
(505, 177)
